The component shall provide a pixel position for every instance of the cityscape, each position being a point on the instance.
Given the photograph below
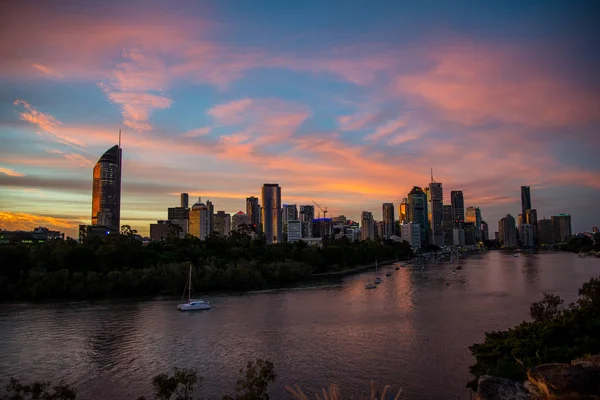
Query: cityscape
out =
(289, 200)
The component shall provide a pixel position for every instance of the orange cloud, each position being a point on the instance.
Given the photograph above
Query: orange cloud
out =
(10, 172)
(46, 70)
(27, 222)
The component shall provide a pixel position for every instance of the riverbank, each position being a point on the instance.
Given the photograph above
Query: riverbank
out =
(352, 270)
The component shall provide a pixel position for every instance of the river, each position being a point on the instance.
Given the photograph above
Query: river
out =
(413, 331)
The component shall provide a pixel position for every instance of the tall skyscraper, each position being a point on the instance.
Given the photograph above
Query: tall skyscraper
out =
(458, 208)
(417, 211)
(474, 216)
(388, 220)
(561, 225)
(201, 217)
(271, 214)
(106, 189)
(253, 211)
(525, 199)
(403, 214)
(289, 212)
(526, 235)
(436, 212)
(531, 219)
(185, 200)
(307, 215)
(545, 232)
(507, 231)
(448, 225)
(222, 222)
(367, 225)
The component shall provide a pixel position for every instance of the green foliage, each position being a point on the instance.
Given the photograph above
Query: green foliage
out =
(179, 386)
(38, 391)
(556, 334)
(254, 381)
(120, 266)
(581, 244)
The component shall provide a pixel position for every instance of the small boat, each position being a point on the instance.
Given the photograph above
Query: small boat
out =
(370, 286)
(388, 273)
(516, 255)
(192, 305)
(377, 279)
(404, 265)
(397, 268)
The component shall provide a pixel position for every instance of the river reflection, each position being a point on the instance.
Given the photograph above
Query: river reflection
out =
(412, 331)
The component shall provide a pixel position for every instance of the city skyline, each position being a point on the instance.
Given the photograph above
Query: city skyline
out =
(351, 116)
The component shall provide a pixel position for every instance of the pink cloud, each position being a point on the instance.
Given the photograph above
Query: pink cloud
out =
(46, 70)
(387, 129)
(10, 172)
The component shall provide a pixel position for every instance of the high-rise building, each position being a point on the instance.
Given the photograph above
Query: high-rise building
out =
(238, 220)
(545, 232)
(403, 214)
(294, 233)
(561, 225)
(485, 234)
(507, 231)
(447, 225)
(474, 216)
(458, 208)
(307, 214)
(201, 217)
(106, 190)
(525, 199)
(185, 200)
(178, 213)
(379, 229)
(470, 234)
(436, 212)
(417, 211)
(411, 233)
(271, 215)
(388, 220)
(526, 235)
(531, 219)
(222, 222)
(322, 227)
(254, 213)
(367, 225)
(288, 213)
(595, 229)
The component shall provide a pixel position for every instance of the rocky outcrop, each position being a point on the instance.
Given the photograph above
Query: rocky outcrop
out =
(578, 380)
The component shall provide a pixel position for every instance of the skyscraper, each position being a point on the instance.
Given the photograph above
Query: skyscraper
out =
(200, 223)
(417, 211)
(436, 212)
(545, 232)
(474, 217)
(106, 189)
(271, 214)
(367, 225)
(253, 212)
(531, 219)
(222, 223)
(185, 200)
(458, 208)
(448, 225)
(525, 199)
(403, 215)
(561, 225)
(388, 220)
(307, 214)
(288, 213)
(507, 231)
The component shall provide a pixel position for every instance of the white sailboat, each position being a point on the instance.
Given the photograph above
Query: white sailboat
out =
(377, 279)
(192, 305)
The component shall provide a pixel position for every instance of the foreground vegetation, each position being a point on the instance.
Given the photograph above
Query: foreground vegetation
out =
(120, 266)
(556, 334)
(252, 384)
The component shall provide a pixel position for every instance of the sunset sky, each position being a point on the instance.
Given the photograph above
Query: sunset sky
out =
(348, 103)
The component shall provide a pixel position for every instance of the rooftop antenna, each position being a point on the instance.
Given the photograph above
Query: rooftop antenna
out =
(119, 138)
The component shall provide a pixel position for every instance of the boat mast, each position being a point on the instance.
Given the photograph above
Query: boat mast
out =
(190, 285)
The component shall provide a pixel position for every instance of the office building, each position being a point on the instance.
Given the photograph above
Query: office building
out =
(322, 228)
(307, 214)
(485, 234)
(294, 233)
(474, 216)
(417, 211)
(388, 220)
(367, 225)
(379, 228)
(222, 223)
(525, 200)
(458, 236)
(411, 233)
(340, 220)
(436, 212)
(561, 226)
(201, 217)
(531, 219)
(106, 189)
(545, 232)
(254, 212)
(166, 229)
(458, 208)
(470, 233)
(448, 225)
(178, 213)
(507, 231)
(403, 213)
(184, 200)
(526, 235)
(289, 212)
(271, 215)
(37, 235)
(239, 219)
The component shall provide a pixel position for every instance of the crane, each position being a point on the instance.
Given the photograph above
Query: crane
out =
(322, 209)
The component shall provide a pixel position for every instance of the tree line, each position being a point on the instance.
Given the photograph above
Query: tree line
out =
(121, 266)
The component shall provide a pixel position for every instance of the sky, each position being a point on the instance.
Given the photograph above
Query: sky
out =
(347, 103)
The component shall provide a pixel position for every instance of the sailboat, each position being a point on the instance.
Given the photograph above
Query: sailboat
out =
(192, 305)
(377, 279)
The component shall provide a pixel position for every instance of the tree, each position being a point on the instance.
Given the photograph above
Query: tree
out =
(546, 309)
(181, 385)
(38, 391)
(253, 383)
(127, 231)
